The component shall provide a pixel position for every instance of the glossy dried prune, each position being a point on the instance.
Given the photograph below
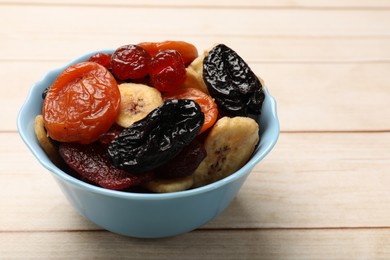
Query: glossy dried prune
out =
(157, 138)
(91, 163)
(236, 89)
(185, 163)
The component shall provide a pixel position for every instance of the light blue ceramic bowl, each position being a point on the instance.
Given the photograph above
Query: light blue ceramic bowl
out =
(144, 215)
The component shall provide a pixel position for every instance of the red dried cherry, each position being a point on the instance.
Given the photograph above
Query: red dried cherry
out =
(101, 58)
(130, 62)
(167, 70)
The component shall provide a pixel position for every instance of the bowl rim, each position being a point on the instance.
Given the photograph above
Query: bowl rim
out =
(57, 172)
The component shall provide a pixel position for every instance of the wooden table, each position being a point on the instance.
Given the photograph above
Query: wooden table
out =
(322, 193)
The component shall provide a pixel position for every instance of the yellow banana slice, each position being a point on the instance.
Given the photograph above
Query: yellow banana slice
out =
(45, 142)
(171, 185)
(137, 100)
(194, 74)
(261, 81)
(229, 146)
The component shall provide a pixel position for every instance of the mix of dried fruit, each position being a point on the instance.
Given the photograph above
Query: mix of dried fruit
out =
(152, 117)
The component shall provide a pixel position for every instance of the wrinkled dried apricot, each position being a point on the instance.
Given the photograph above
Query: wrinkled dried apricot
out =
(187, 51)
(82, 103)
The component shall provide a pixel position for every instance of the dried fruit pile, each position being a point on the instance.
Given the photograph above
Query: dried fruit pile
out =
(152, 117)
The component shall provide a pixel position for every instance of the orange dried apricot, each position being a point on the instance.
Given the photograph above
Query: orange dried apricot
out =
(82, 103)
(187, 50)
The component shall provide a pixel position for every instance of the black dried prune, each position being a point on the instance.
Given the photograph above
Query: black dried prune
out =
(157, 138)
(235, 88)
(44, 92)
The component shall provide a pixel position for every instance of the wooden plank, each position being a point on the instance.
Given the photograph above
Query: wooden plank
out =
(319, 180)
(48, 46)
(36, 20)
(341, 96)
(240, 244)
(214, 4)
(330, 97)
(30, 194)
(308, 181)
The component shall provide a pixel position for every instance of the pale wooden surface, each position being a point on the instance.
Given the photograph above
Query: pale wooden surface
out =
(322, 193)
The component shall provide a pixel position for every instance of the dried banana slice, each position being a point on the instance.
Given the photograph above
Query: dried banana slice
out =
(194, 74)
(169, 185)
(261, 81)
(229, 146)
(45, 142)
(137, 100)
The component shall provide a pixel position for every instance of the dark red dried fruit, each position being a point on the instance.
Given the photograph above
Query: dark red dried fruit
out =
(130, 62)
(185, 163)
(101, 58)
(107, 137)
(91, 162)
(167, 70)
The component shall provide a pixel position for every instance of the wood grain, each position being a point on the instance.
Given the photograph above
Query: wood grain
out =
(253, 48)
(235, 244)
(35, 20)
